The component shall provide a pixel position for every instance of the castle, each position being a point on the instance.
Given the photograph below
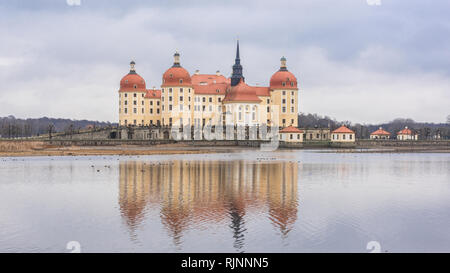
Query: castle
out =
(201, 99)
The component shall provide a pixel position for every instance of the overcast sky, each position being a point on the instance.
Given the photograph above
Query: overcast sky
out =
(360, 60)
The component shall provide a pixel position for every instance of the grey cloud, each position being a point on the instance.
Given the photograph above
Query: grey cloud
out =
(345, 53)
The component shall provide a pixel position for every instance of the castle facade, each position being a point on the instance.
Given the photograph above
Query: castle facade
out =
(201, 99)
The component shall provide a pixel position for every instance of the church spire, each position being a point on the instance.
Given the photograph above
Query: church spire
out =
(237, 69)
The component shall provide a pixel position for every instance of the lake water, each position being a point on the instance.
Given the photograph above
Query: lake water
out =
(249, 201)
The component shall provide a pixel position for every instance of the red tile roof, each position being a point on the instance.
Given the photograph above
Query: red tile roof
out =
(381, 132)
(291, 129)
(262, 91)
(343, 130)
(131, 80)
(208, 79)
(176, 76)
(405, 131)
(153, 94)
(242, 93)
(280, 77)
(211, 89)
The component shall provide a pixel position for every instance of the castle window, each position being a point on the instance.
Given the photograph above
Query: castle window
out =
(142, 102)
(210, 99)
(157, 111)
(292, 93)
(283, 100)
(298, 136)
(170, 90)
(142, 94)
(204, 99)
(135, 110)
(126, 102)
(291, 136)
(292, 109)
(142, 111)
(135, 102)
(181, 89)
(189, 90)
(170, 107)
(151, 102)
(162, 90)
(151, 110)
(284, 93)
(181, 98)
(268, 101)
(219, 99)
(157, 103)
(170, 98)
(284, 109)
(125, 110)
(125, 122)
(126, 95)
(292, 100)
(134, 95)
(268, 109)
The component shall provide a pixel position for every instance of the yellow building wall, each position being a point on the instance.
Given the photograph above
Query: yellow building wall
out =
(288, 111)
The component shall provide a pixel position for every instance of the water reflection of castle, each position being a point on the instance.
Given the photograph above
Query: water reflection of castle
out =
(190, 193)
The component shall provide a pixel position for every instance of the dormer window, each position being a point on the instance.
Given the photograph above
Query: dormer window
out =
(217, 90)
(170, 75)
(126, 81)
(181, 81)
(284, 84)
(292, 83)
(135, 86)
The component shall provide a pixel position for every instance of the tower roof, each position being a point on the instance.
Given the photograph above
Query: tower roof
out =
(237, 76)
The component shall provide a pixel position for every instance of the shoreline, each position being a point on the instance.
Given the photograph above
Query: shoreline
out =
(41, 149)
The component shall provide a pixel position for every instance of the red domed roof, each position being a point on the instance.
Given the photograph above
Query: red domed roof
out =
(132, 81)
(280, 77)
(242, 93)
(283, 79)
(176, 76)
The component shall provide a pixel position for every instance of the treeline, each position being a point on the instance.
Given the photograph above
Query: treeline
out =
(425, 130)
(11, 127)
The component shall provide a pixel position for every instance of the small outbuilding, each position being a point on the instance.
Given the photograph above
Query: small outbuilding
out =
(342, 134)
(291, 134)
(380, 134)
(407, 134)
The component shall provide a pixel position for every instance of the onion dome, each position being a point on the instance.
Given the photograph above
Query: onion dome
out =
(283, 79)
(132, 81)
(242, 93)
(176, 75)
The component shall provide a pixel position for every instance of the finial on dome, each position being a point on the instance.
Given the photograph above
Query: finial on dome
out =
(176, 59)
(283, 66)
(132, 69)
